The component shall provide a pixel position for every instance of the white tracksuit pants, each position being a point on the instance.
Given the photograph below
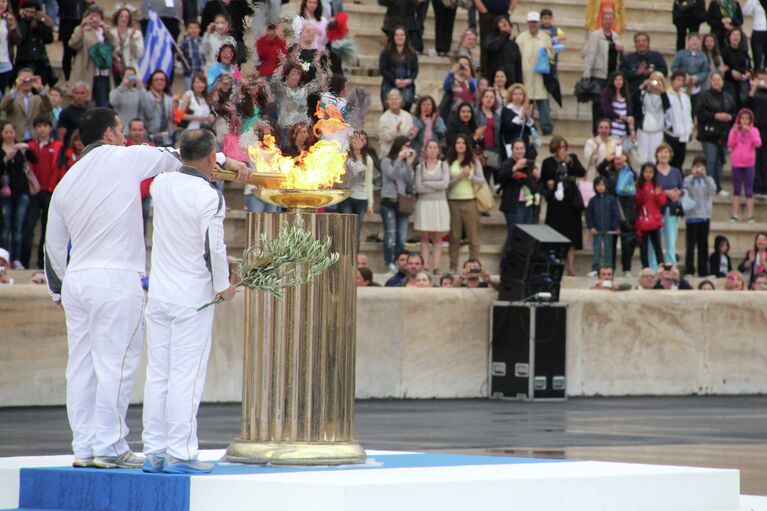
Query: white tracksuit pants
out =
(178, 340)
(103, 314)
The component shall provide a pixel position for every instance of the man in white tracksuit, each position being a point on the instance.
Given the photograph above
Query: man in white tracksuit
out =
(94, 258)
(189, 269)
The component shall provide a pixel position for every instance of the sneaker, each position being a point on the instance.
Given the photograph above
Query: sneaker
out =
(83, 463)
(176, 466)
(392, 268)
(733, 219)
(723, 193)
(17, 265)
(153, 463)
(592, 273)
(126, 460)
(627, 274)
(751, 220)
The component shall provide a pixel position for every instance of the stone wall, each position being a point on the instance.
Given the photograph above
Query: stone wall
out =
(433, 343)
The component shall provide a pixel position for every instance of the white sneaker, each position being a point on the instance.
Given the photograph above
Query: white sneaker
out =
(17, 265)
(751, 220)
(392, 268)
(733, 219)
(723, 193)
(592, 274)
(627, 274)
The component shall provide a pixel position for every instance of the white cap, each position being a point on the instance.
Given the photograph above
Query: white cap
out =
(533, 16)
(5, 255)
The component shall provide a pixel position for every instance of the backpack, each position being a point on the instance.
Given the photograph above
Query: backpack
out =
(625, 186)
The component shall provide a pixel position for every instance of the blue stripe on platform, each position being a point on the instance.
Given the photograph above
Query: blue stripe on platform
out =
(83, 489)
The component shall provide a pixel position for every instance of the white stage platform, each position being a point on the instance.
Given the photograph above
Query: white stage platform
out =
(389, 481)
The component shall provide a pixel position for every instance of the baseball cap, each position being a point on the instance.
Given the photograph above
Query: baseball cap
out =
(533, 16)
(4, 255)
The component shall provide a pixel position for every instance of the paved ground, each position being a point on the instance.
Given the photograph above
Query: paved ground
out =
(700, 431)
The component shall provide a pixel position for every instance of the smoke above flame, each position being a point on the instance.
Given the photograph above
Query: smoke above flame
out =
(320, 167)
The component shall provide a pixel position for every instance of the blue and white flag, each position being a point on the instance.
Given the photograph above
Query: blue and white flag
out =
(158, 49)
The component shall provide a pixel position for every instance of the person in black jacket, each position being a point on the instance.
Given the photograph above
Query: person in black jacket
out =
(516, 172)
(70, 16)
(757, 102)
(610, 169)
(462, 122)
(502, 52)
(716, 111)
(687, 16)
(36, 29)
(398, 65)
(400, 13)
(722, 16)
(639, 65)
(719, 263)
(603, 219)
(235, 10)
(735, 57)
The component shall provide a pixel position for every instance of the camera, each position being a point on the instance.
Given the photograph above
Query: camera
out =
(607, 283)
(668, 267)
(475, 270)
(654, 83)
(410, 153)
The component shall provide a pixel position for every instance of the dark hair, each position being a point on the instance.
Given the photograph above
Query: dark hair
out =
(137, 119)
(641, 181)
(365, 148)
(416, 254)
(757, 237)
(546, 12)
(468, 156)
(293, 133)
(317, 11)
(57, 89)
(3, 124)
(468, 60)
(612, 92)
(159, 72)
(396, 147)
(640, 34)
(222, 48)
(605, 267)
(290, 66)
(201, 77)
(366, 274)
(401, 253)
(471, 260)
(95, 122)
(94, 8)
(42, 119)
(498, 20)
(556, 141)
(196, 144)
(599, 179)
(743, 44)
(191, 22)
(417, 110)
(336, 84)
(703, 283)
(446, 276)
(677, 74)
(119, 11)
(600, 121)
(407, 52)
(699, 160)
(715, 56)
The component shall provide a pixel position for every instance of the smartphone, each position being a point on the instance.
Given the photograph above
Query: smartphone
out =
(668, 267)
(475, 270)
(619, 150)
(607, 283)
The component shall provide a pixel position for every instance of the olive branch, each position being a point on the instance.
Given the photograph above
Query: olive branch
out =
(292, 258)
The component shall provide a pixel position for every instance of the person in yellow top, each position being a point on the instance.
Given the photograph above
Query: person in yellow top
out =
(530, 43)
(465, 174)
(597, 7)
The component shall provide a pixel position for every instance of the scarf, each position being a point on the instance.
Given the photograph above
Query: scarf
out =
(727, 8)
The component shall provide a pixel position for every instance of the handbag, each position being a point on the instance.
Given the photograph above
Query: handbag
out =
(406, 205)
(625, 186)
(34, 184)
(587, 90)
(484, 197)
(542, 65)
(492, 159)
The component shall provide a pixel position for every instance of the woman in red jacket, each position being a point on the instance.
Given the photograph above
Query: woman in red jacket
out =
(650, 199)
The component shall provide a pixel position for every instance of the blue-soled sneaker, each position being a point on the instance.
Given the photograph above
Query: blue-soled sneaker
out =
(153, 463)
(176, 466)
(126, 460)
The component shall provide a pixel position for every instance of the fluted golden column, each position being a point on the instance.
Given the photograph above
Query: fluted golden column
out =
(298, 372)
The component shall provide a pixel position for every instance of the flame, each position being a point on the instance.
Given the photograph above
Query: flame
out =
(320, 167)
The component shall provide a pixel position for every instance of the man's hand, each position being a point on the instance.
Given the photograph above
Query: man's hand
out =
(58, 304)
(593, 231)
(243, 172)
(229, 294)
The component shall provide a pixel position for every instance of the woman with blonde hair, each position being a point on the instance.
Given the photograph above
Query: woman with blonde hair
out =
(650, 102)
(735, 281)
(516, 120)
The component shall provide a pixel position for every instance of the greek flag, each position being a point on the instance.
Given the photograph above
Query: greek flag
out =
(158, 49)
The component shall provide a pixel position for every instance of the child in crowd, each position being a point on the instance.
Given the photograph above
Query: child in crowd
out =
(719, 263)
(650, 199)
(743, 141)
(191, 51)
(270, 48)
(556, 33)
(216, 35)
(68, 156)
(603, 220)
(57, 98)
(699, 190)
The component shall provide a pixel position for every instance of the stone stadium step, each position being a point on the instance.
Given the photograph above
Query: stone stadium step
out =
(655, 13)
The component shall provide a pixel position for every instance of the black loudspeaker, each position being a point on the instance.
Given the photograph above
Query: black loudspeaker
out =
(528, 351)
(533, 263)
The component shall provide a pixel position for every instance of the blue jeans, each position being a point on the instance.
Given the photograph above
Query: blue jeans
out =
(355, 207)
(101, 91)
(395, 231)
(715, 155)
(603, 251)
(669, 233)
(256, 205)
(524, 214)
(544, 111)
(14, 211)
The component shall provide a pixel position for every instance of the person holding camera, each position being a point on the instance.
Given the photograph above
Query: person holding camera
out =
(473, 276)
(716, 111)
(396, 196)
(129, 99)
(27, 100)
(605, 279)
(700, 189)
(650, 102)
(93, 45)
(670, 279)
(460, 84)
(36, 30)
(757, 102)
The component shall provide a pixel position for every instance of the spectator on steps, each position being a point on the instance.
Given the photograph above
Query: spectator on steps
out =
(639, 65)
(735, 58)
(646, 280)
(678, 125)
(400, 14)
(500, 51)
(423, 279)
(465, 175)
(36, 30)
(722, 16)
(26, 101)
(473, 275)
(650, 104)
(532, 43)
(429, 124)
(69, 120)
(694, 64)
(700, 188)
(90, 40)
(432, 215)
(616, 106)
(687, 16)
(399, 269)
(602, 57)
(670, 279)
(650, 199)
(489, 122)
(710, 48)
(130, 42)
(9, 37)
(735, 281)
(759, 283)
(444, 19)
(468, 48)
(395, 122)
(743, 141)
(757, 102)
(603, 221)
(759, 32)
(398, 177)
(398, 65)
(359, 169)
(490, 11)
(716, 112)
(719, 262)
(706, 285)
(365, 278)
(463, 122)
(71, 14)
(621, 181)
(129, 99)
(671, 180)
(414, 266)
(605, 279)
(517, 122)
(755, 261)
(460, 84)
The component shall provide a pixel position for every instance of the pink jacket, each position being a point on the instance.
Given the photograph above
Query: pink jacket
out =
(742, 145)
